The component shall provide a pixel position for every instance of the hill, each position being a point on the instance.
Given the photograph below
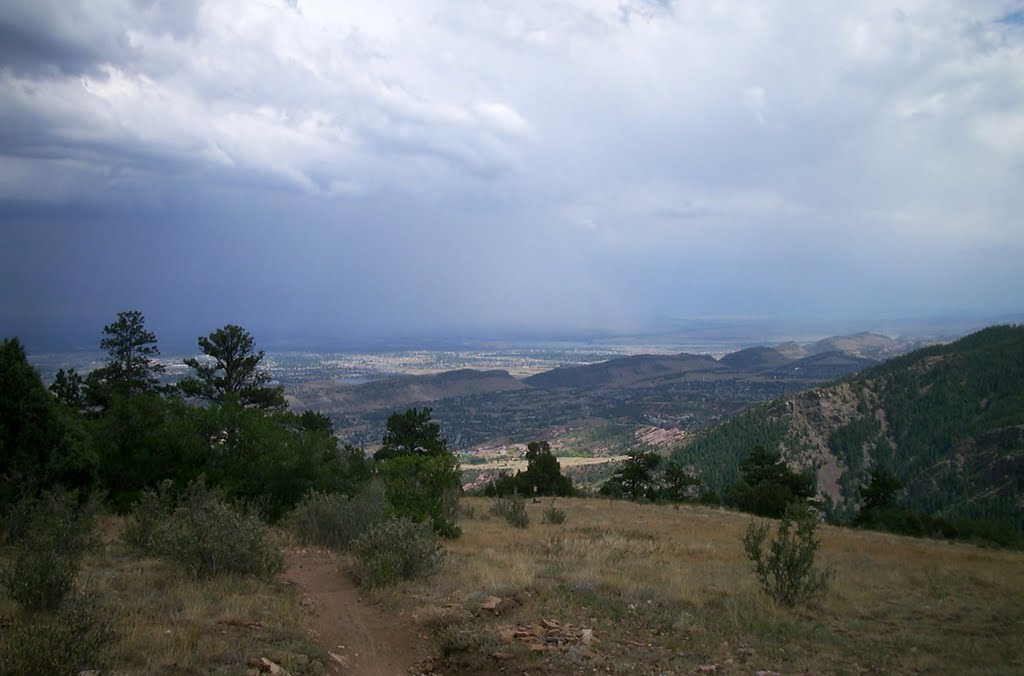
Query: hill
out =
(865, 344)
(624, 371)
(947, 421)
(403, 391)
(755, 359)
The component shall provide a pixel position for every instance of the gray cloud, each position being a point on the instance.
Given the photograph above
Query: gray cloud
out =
(318, 166)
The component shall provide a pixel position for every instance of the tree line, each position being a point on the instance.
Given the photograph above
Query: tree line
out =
(121, 430)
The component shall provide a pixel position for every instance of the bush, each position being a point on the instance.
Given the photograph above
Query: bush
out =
(55, 531)
(150, 513)
(553, 514)
(512, 509)
(424, 488)
(396, 549)
(786, 570)
(334, 520)
(206, 535)
(69, 641)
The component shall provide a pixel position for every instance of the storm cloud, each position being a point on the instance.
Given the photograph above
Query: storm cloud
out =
(371, 168)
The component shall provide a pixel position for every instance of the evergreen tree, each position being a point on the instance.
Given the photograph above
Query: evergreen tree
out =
(130, 368)
(767, 485)
(69, 388)
(543, 475)
(41, 444)
(412, 433)
(232, 370)
(635, 479)
(421, 475)
(679, 483)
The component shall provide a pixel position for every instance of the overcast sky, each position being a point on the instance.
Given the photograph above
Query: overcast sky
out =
(314, 167)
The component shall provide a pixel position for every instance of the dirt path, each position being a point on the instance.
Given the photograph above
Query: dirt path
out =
(361, 639)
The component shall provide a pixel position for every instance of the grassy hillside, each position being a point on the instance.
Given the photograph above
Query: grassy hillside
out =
(947, 421)
(667, 590)
(662, 590)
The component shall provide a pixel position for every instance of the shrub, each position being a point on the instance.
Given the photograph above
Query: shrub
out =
(553, 514)
(512, 509)
(396, 549)
(69, 641)
(786, 569)
(55, 532)
(424, 488)
(334, 520)
(151, 511)
(206, 535)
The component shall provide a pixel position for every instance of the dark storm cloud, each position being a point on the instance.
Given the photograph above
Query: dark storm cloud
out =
(320, 166)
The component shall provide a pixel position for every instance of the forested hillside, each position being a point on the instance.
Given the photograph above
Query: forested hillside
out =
(947, 421)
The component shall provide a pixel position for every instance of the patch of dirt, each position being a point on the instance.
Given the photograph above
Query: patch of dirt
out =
(360, 638)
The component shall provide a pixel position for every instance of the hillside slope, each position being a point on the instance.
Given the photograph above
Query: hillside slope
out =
(947, 421)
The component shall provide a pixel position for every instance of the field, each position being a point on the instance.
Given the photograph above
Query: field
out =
(618, 588)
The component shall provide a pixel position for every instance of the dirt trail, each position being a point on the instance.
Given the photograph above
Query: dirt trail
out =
(361, 638)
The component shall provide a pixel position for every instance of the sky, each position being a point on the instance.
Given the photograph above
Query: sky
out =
(362, 168)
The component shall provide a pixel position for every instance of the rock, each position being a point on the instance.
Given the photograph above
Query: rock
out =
(273, 668)
(491, 603)
(538, 647)
(300, 660)
(549, 624)
(587, 636)
(746, 650)
(767, 673)
(707, 669)
(508, 634)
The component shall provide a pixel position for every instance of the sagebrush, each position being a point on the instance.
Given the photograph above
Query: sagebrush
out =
(786, 568)
(205, 534)
(396, 549)
(55, 531)
(512, 508)
(334, 520)
(553, 514)
(71, 639)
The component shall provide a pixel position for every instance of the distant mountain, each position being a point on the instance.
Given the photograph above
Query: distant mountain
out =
(868, 345)
(947, 421)
(865, 345)
(792, 350)
(400, 392)
(755, 359)
(624, 371)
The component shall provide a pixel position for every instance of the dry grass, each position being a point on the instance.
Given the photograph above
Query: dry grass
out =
(167, 622)
(667, 590)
